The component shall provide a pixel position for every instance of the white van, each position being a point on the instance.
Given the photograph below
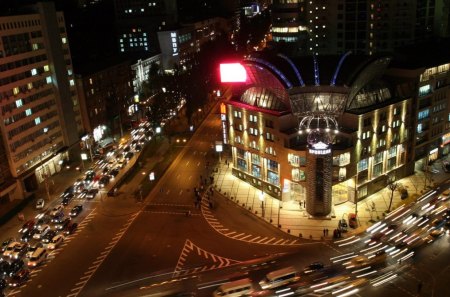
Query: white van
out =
(235, 288)
(279, 278)
(37, 257)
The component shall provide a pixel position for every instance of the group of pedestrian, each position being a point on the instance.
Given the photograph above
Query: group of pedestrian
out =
(325, 232)
(337, 233)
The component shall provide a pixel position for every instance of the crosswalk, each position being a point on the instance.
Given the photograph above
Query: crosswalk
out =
(242, 236)
(216, 261)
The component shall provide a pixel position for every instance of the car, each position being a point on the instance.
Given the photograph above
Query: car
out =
(90, 174)
(27, 226)
(57, 209)
(10, 249)
(63, 224)
(66, 199)
(48, 237)
(14, 267)
(32, 248)
(27, 236)
(104, 181)
(19, 278)
(79, 186)
(19, 251)
(58, 218)
(70, 228)
(5, 243)
(69, 190)
(40, 203)
(91, 193)
(129, 155)
(76, 210)
(41, 231)
(42, 219)
(38, 256)
(434, 234)
(55, 242)
(114, 172)
(316, 266)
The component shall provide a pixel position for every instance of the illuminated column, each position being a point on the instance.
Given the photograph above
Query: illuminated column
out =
(319, 175)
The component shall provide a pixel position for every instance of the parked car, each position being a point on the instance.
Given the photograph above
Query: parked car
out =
(76, 210)
(40, 203)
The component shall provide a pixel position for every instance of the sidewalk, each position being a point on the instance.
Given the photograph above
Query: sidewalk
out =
(294, 220)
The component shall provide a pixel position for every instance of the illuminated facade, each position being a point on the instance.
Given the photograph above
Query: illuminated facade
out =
(295, 154)
(40, 115)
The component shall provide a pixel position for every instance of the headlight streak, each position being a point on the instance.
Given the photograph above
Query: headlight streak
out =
(286, 294)
(331, 286)
(377, 228)
(423, 222)
(343, 289)
(370, 248)
(341, 256)
(362, 269)
(373, 226)
(349, 293)
(343, 259)
(401, 215)
(406, 257)
(368, 273)
(426, 195)
(355, 239)
(395, 212)
(282, 290)
(399, 253)
(376, 284)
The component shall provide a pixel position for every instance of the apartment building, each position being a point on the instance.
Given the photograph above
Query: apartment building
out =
(40, 122)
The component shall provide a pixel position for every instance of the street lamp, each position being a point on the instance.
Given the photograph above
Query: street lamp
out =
(261, 198)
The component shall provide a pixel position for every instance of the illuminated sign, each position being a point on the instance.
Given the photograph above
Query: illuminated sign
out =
(219, 147)
(223, 118)
(320, 148)
(232, 72)
(173, 36)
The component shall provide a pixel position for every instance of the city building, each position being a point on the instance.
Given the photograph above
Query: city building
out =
(141, 70)
(360, 26)
(40, 123)
(137, 24)
(178, 46)
(322, 130)
(106, 93)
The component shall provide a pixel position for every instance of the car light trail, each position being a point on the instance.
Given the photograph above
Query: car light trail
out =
(366, 274)
(349, 293)
(382, 281)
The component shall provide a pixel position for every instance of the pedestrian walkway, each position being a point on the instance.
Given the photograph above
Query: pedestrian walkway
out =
(292, 218)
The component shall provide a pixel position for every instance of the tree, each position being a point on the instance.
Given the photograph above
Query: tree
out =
(392, 185)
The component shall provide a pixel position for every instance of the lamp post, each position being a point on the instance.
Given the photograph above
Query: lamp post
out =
(261, 198)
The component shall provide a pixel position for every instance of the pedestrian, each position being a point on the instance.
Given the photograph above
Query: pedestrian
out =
(419, 287)
(324, 232)
(228, 165)
(373, 206)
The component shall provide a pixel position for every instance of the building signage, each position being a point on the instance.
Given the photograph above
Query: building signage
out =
(173, 37)
(320, 148)
(223, 117)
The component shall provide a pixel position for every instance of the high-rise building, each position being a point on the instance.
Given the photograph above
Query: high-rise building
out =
(40, 120)
(360, 26)
(137, 24)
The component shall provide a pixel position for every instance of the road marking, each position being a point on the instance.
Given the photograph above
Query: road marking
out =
(231, 233)
(281, 240)
(262, 240)
(256, 238)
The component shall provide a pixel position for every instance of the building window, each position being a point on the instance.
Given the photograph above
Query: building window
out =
(396, 124)
(256, 159)
(256, 171)
(367, 122)
(16, 90)
(366, 135)
(254, 145)
(33, 71)
(269, 136)
(362, 165)
(269, 150)
(238, 127)
(341, 160)
(237, 114)
(242, 164)
(37, 120)
(294, 160)
(423, 114)
(392, 162)
(424, 90)
(273, 178)
(272, 165)
(28, 112)
(298, 175)
(253, 131)
(392, 152)
(48, 79)
(377, 170)
(19, 103)
(253, 118)
(381, 142)
(269, 124)
(238, 139)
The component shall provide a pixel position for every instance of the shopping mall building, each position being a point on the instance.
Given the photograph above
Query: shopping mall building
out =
(331, 129)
